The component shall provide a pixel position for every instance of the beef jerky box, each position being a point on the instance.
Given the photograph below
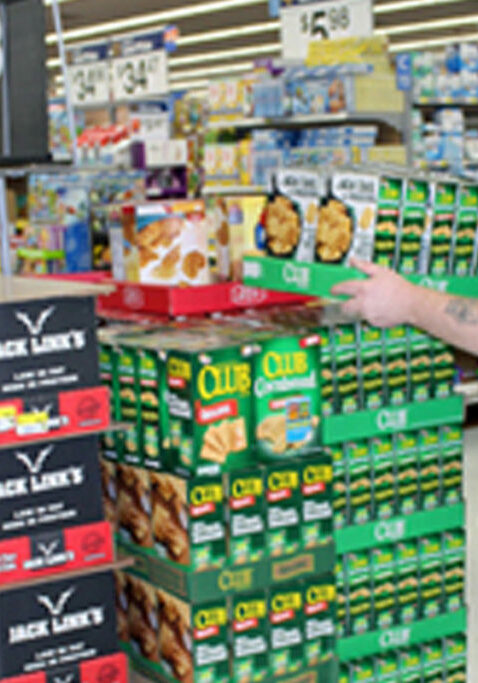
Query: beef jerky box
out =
(188, 520)
(286, 631)
(319, 603)
(466, 228)
(134, 506)
(387, 228)
(246, 512)
(439, 237)
(250, 638)
(210, 386)
(286, 397)
(284, 501)
(193, 639)
(414, 225)
(57, 623)
(317, 514)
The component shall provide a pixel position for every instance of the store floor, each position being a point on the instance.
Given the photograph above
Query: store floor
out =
(471, 493)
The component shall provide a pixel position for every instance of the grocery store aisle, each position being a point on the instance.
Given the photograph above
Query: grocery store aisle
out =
(471, 489)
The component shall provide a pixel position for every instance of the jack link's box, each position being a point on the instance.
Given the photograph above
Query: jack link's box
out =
(57, 624)
(111, 669)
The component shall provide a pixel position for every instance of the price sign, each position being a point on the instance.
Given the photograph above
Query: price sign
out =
(90, 83)
(323, 20)
(140, 76)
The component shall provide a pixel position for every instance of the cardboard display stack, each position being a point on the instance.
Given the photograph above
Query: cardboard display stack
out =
(57, 597)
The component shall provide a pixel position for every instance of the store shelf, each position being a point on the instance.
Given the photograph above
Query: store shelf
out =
(325, 673)
(411, 416)
(315, 279)
(31, 254)
(202, 586)
(397, 529)
(401, 637)
(234, 190)
(15, 289)
(446, 102)
(393, 119)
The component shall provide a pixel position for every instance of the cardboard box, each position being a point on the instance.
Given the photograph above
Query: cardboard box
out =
(384, 484)
(340, 502)
(359, 593)
(429, 469)
(407, 582)
(444, 202)
(246, 514)
(466, 226)
(359, 482)
(284, 500)
(431, 575)
(347, 395)
(317, 513)
(387, 229)
(396, 366)
(286, 649)
(250, 638)
(319, 597)
(412, 247)
(326, 372)
(134, 506)
(384, 586)
(372, 371)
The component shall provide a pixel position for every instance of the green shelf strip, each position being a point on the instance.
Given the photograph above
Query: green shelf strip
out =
(399, 528)
(366, 424)
(200, 587)
(315, 279)
(32, 253)
(325, 673)
(399, 637)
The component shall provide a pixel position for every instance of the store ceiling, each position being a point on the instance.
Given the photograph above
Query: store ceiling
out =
(414, 26)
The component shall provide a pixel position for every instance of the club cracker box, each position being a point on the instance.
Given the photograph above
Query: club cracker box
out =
(346, 386)
(58, 623)
(396, 365)
(414, 225)
(420, 366)
(443, 369)
(454, 550)
(407, 581)
(319, 596)
(130, 403)
(384, 586)
(283, 506)
(466, 229)
(430, 553)
(387, 228)
(359, 592)
(188, 520)
(339, 495)
(317, 513)
(209, 397)
(250, 637)
(451, 466)
(286, 630)
(383, 473)
(372, 375)
(444, 195)
(326, 372)
(407, 472)
(114, 668)
(429, 468)
(286, 397)
(359, 478)
(246, 512)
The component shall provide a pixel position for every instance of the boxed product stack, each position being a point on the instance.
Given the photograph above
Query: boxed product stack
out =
(57, 599)
(221, 492)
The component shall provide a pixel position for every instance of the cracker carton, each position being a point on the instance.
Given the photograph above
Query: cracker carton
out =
(284, 500)
(188, 520)
(339, 497)
(319, 620)
(347, 399)
(209, 406)
(344, 674)
(286, 397)
(387, 667)
(383, 475)
(429, 468)
(451, 467)
(384, 586)
(286, 630)
(362, 670)
(130, 403)
(341, 622)
(326, 372)
(372, 385)
(250, 638)
(193, 644)
(414, 223)
(317, 514)
(454, 549)
(443, 369)
(396, 366)
(246, 516)
(109, 491)
(406, 469)
(359, 478)
(420, 363)
(347, 218)
(410, 662)
(444, 205)
(387, 229)
(431, 575)
(466, 228)
(407, 581)
(432, 658)
(359, 593)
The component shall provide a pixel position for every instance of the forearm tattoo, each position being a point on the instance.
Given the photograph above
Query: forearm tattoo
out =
(463, 311)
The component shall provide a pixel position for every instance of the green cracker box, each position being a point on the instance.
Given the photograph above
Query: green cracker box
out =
(429, 479)
(286, 397)
(387, 667)
(286, 640)
(443, 369)
(326, 372)
(339, 496)
(406, 556)
(283, 502)
(372, 385)
(363, 671)
(451, 467)
(246, 516)
(344, 674)
(347, 399)
(454, 548)
(432, 654)
(316, 510)
(341, 599)
(109, 378)
(319, 620)
(359, 593)
(455, 653)
(444, 208)
(384, 586)
(431, 575)
(209, 401)
(383, 473)
(406, 468)
(410, 662)
(420, 363)
(250, 638)
(193, 639)
(359, 479)
(188, 520)
(466, 228)
(414, 222)
(396, 366)
(387, 228)
(130, 403)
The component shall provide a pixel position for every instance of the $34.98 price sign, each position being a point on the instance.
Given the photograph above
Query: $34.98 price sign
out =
(140, 76)
(323, 20)
(90, 83)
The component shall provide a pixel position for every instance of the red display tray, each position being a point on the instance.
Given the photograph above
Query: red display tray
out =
(68, 413)
(45, 555)
(112, 669)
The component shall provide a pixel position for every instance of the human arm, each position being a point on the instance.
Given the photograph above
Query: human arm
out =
(385, 299)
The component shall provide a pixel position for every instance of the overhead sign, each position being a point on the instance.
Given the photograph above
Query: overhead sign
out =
(403, 63)
(89, 75)
(304, 24)
(140, 71)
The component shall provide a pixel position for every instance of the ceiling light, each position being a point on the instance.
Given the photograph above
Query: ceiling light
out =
(212, 71)
(434, 24)
(189, 85)
(403, 5)
(433, 42)
(225, 54)
(223, 34)
(53, 63)
(167, 16)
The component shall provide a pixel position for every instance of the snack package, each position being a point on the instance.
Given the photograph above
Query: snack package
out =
(317, 514)
(142, 612)
(407, 581)
(341, 618)
(359, 478)
(286, 631)
(420, 364)
(454, 548)
(396, 366)
(134, 506)
(451, 464)
(466, 230)
(384, 489)
(429, 468)
(246, 498)
(387, 229)
(384, 583)
(347, 218)
(359, 593)
(286, 397)
(372, 385)
(283, 493)
(130, 403)
(444, 195)
(250, 638)
(412, 251)
(406, 468)
(347, 398)
(340, 499)
(326, 371)
(319, 620)
(431, 576)
(443, 369)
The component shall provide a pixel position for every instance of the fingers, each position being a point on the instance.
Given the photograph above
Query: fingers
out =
(353, 308)
(366, 267)
(349, 288)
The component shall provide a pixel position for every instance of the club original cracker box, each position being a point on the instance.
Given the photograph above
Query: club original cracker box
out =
(396, 365)
(319, 596)
(414, 225)
(420, 366)
(359, 480)
(466, 228)
(284, 501)
(286, 397)
(317, 512)
(346, 385)
(383, 473)
(439, 238)
(246, 512)
(429, 468)
(388, 222)
(326, 371)
(286, 632)
(209, 397)
(372, 374)
(250, 637)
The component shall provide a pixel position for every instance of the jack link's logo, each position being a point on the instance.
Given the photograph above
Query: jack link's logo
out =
(66, 679)
(57, 608)
(37, 466)
(34, 328)
(48, 550)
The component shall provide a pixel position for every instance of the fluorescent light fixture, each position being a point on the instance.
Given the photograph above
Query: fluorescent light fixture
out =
(433, 42)
(224, 33)
(403, 5)
(53, 63)
(433, 25)
(268, 48)
(143, 20)
(59, 78)
(212, 71)
(189, 85)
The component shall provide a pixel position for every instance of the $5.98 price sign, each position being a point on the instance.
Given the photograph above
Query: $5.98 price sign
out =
(323, 20)
(90, 83)
(140, 76)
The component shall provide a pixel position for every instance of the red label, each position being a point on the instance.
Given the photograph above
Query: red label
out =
(241, 626)
(278, 404)
(315, 609)
(276, 496)
(201, 510)
(280, 617)
(311, 489)
(208, 414)
(241, 503)
(112, 669)
(204, 634)
(176, 382)
(307, 342)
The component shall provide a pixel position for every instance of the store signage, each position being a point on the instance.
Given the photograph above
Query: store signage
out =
(431, 283)
(296, 275)
(89, 75)
(395, 638)
(141, 69)
(304, 24)
(392, 420)
(403, 64)
(390, 531)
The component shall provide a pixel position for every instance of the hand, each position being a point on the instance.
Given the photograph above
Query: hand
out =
(385, 299)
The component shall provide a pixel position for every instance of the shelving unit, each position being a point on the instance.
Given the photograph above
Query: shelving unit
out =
(392, 119)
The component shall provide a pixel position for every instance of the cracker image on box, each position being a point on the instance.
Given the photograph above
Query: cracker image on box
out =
(143, 618)
(250, 637)
(134, 506)
(286, 397)
(246, 515)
